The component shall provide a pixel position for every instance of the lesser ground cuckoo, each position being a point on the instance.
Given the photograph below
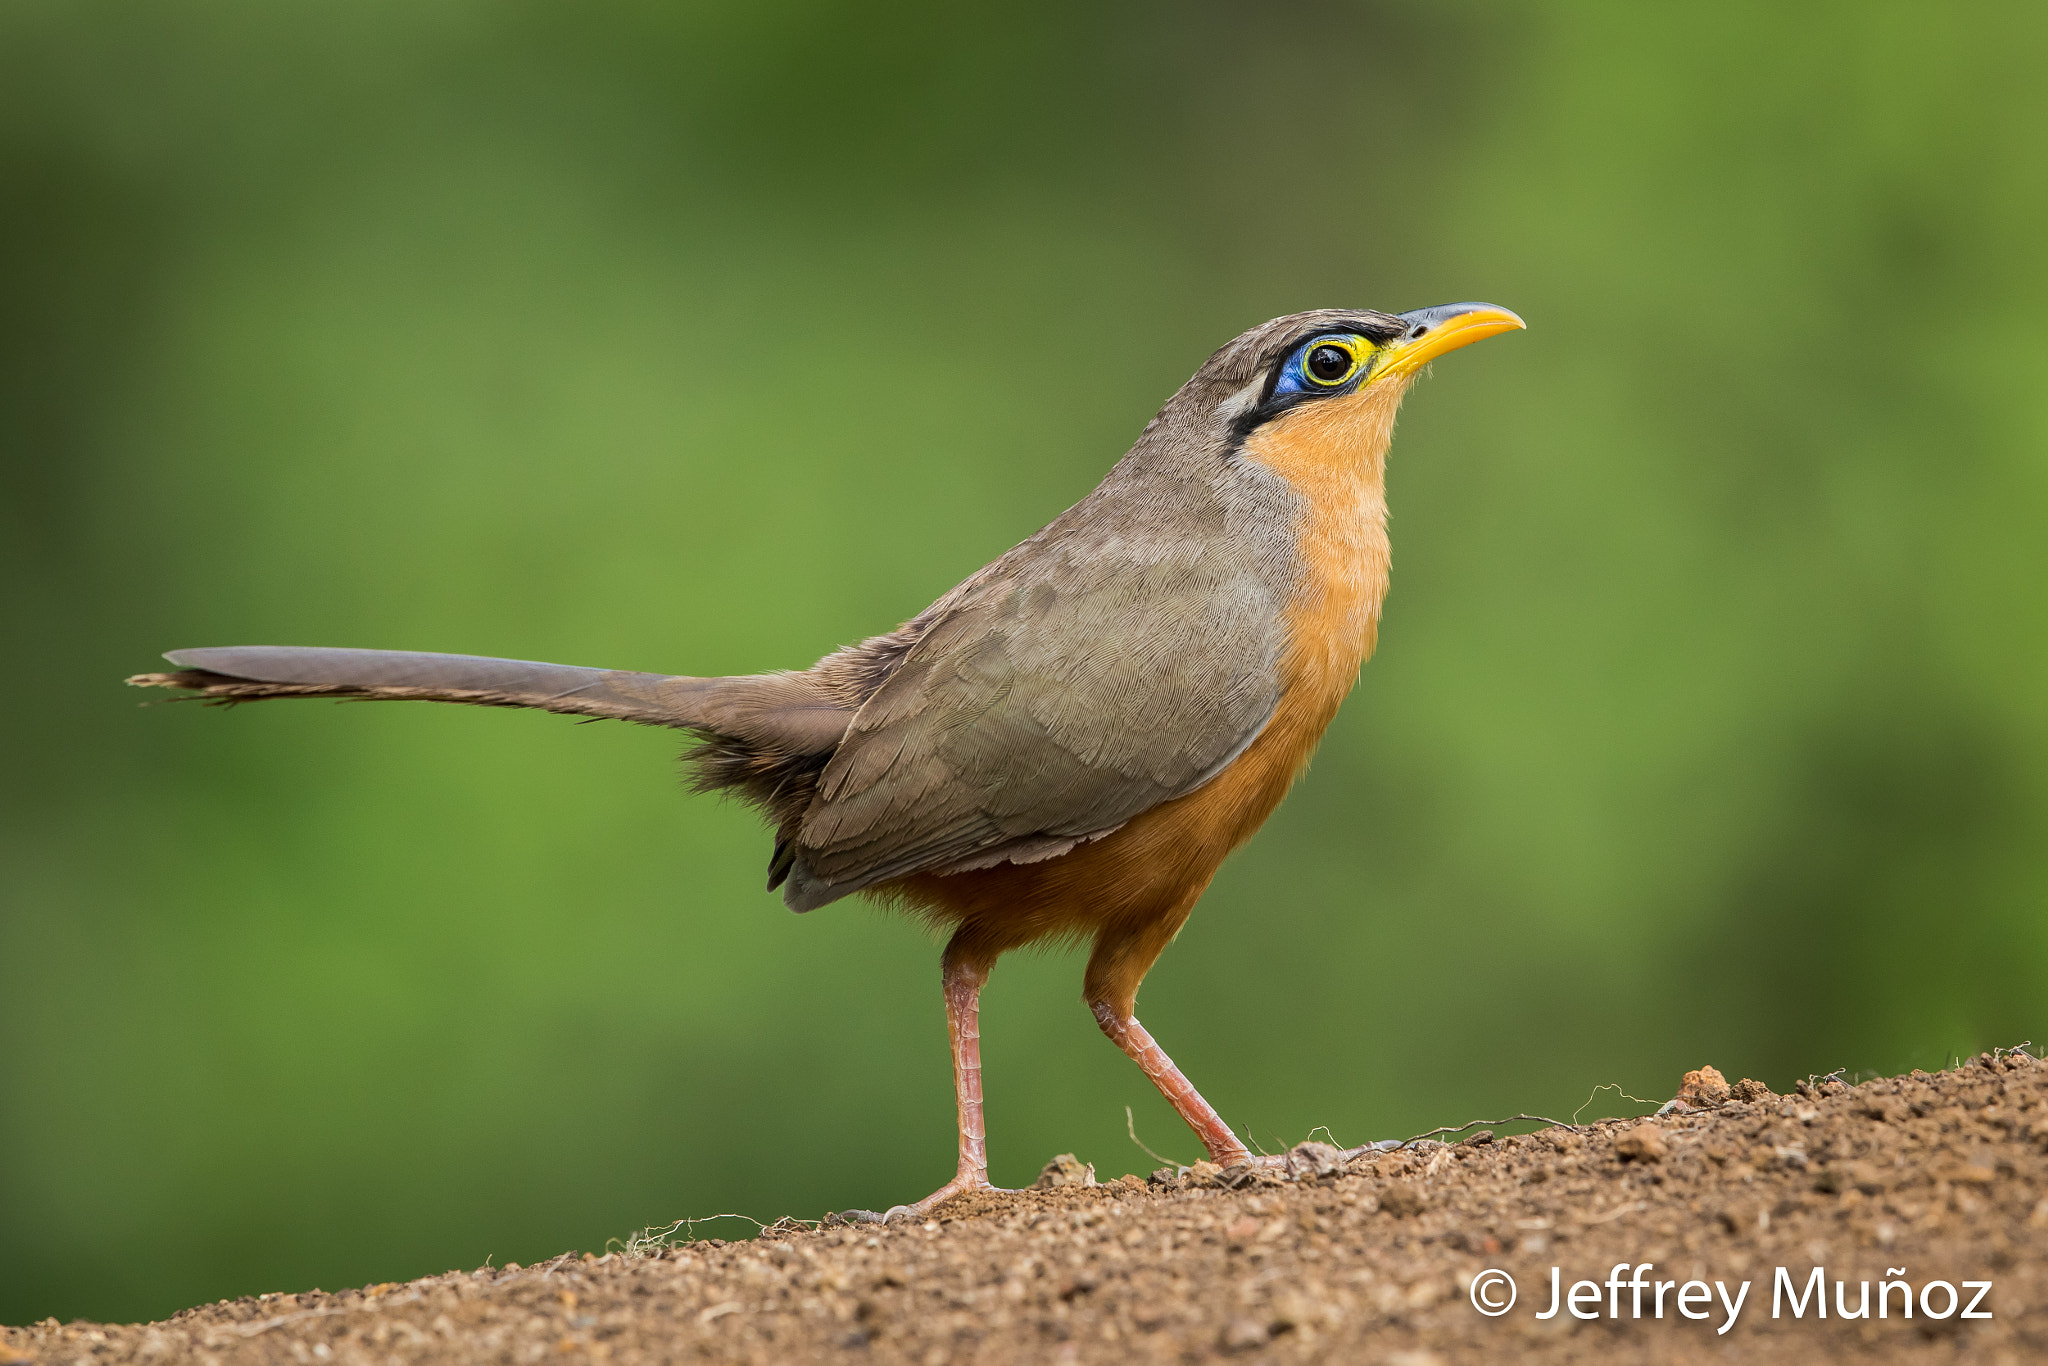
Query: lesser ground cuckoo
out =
(1069, 743)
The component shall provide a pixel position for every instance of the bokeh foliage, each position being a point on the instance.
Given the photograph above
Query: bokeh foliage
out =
(1710, 722)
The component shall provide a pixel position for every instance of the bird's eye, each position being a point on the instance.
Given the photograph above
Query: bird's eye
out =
(1329, 363)
(1324, 365)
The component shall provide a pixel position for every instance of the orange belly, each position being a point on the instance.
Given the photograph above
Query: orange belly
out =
(1132, 890)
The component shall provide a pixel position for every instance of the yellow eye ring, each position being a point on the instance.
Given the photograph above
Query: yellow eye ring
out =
(1331, 362)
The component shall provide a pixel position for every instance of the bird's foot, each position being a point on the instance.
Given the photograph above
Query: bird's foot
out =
(959, 1185)
(1256, 1161)
(1303, 1160)
(1241, 1169)
(1242, 1161)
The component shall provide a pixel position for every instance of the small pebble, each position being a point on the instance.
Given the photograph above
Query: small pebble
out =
(1643, 1143)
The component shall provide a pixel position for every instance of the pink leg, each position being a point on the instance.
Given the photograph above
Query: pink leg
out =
(1126, 1033)
(962, 978)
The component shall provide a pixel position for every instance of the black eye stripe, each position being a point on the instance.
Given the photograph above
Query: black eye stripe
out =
(1361, 338)
(1377, 331)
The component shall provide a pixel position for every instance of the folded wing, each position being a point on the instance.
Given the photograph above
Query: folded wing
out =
(1041, 710)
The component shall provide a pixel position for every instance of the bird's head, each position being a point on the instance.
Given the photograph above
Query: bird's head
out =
(1316, 392)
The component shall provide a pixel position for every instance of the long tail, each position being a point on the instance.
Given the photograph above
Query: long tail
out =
(763, 737)
(247, 673)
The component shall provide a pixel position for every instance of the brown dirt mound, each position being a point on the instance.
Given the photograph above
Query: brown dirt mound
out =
(1939, 1177)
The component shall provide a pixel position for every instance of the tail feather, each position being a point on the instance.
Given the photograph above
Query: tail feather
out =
(247, 673)
(764, 737)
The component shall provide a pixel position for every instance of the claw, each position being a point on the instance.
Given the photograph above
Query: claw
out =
(859, 1216)
(959, 1185)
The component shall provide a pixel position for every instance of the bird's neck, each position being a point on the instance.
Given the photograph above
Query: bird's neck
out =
(1334, 454)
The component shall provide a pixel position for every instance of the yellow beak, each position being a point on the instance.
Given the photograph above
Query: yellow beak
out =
(1433, 331)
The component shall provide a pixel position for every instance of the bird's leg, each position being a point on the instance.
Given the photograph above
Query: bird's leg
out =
(1122, 956)
(962, 975)
(1126, 1033)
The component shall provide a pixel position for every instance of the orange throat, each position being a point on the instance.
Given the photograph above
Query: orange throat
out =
(1334, 453)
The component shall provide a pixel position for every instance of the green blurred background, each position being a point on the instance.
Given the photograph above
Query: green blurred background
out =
(1710, 722)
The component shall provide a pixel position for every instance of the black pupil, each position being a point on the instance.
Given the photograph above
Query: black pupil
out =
(1329, 363)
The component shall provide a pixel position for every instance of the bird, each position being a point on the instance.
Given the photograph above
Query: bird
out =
(1067, 745)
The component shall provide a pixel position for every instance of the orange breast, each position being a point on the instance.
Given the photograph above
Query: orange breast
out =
(1140, 882)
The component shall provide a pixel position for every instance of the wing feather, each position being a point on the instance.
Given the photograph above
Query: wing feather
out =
(996, 739)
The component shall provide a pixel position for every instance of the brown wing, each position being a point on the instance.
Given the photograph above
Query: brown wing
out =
(1044, 708)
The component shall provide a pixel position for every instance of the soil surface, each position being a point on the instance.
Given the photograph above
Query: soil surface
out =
(1926, 1180)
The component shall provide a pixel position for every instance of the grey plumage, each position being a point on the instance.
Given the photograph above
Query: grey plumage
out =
(248, 672)
(977, 732)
